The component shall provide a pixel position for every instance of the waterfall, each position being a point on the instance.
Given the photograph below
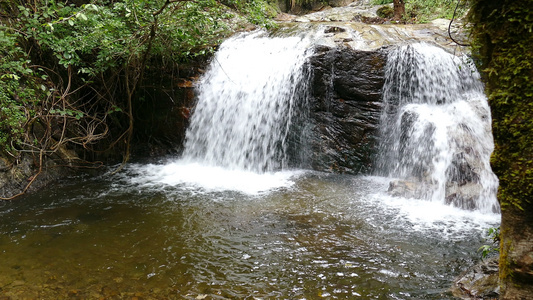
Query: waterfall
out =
(435, 131)
(249, 103)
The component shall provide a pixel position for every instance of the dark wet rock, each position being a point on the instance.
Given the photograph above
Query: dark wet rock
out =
(345, 108)
(346, 95)
(478, 282)
(331, 29)
(461, 171)
(26, 173)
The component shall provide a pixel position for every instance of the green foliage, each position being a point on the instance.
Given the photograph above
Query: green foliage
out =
(78, 63)
(381, 2)
(256, 12)
(99, 36)
(493, 236)
(423, 11)
(18, 91)
(385, 12)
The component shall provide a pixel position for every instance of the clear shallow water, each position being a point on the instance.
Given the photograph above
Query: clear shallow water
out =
(305, 235)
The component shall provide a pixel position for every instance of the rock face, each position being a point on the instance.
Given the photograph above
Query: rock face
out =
(26, 175)
(345, 108)
(346, 89)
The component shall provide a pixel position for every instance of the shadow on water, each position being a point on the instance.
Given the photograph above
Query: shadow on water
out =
(317, 236)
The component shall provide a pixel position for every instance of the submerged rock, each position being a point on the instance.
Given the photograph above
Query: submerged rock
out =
(463, 196)
(404, 188)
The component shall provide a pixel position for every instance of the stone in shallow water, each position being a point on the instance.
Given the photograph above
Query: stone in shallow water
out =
(479, 282)
(404, 188)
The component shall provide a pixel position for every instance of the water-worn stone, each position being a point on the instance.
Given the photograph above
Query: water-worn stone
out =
(404, 188)
(478, 282)
(344, 108)
(463, 196)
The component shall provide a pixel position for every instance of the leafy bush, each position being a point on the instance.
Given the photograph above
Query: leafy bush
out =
(18, 92)
(422, 11)
(385, 12)
(73, 64)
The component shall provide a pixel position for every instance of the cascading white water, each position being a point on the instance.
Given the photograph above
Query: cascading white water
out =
(247, 103)
(435, 128)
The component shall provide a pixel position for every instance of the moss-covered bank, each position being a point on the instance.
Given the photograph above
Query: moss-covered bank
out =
(503, 41)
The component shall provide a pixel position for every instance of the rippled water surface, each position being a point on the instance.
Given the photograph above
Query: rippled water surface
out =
(301, 235)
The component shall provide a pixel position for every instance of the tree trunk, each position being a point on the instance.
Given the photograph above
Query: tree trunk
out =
(502, 42)
(399, 9)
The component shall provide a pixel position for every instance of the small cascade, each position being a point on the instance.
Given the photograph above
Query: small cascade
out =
(435, 129)
(249, 103)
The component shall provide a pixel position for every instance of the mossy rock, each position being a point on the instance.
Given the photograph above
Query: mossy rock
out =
(385, 12)
(502, 43)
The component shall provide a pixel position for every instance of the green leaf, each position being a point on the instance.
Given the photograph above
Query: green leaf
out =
(92, 7)
(81, 16)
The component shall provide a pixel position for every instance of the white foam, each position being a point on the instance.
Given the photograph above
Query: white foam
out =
(211, 178)
(431, 216)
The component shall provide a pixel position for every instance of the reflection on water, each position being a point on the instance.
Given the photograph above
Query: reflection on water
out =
(314, 236)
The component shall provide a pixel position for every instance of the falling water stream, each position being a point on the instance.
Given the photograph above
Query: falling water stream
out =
(234, 217)
(436, 127)
(247, 106)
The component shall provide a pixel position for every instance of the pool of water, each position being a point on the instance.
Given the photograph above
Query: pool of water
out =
(169, 232)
